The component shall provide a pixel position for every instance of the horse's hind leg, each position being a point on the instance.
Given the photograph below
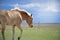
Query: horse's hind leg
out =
(13, 32)
(3, 30)
(19, 26)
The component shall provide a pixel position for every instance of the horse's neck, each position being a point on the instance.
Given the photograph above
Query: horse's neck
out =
(23, 14)
(24, 17)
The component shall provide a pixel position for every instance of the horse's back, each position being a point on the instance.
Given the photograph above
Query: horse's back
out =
(11, 17)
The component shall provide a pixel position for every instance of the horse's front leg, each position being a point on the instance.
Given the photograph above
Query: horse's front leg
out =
(3, 30)
(13, 32)
(20, 35)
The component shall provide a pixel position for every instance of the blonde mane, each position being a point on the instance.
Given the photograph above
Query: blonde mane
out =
(21, 10)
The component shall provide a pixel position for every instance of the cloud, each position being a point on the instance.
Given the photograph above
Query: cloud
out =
(51, 9)
(30, 5)
(37, 6)
(39, 9)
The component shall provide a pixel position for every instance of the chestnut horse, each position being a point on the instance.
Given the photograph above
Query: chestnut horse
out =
(14, 18)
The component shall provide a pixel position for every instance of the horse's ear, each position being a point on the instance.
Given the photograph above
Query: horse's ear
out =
(31, 14)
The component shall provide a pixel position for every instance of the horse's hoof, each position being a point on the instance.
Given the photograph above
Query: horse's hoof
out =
(18, 38)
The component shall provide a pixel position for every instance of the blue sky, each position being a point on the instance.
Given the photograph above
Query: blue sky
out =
(44, 11)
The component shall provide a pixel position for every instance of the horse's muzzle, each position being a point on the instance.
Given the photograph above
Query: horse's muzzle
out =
(31, 26)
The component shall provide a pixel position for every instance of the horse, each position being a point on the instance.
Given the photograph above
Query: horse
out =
(14, 18)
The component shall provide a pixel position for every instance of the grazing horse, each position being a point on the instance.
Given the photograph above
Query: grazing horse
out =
(14, 18)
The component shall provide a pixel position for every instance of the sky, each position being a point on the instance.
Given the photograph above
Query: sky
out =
(43, 11)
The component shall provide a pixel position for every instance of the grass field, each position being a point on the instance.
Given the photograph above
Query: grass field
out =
(34, 34)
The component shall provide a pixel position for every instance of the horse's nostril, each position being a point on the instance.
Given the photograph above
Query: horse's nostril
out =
(31, 26)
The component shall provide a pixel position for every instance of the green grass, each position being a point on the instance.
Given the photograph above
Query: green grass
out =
(34, 34)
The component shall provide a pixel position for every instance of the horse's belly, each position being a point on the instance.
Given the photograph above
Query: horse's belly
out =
(11, 22)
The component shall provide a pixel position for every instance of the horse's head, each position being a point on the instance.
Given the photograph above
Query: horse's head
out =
(30, 21)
